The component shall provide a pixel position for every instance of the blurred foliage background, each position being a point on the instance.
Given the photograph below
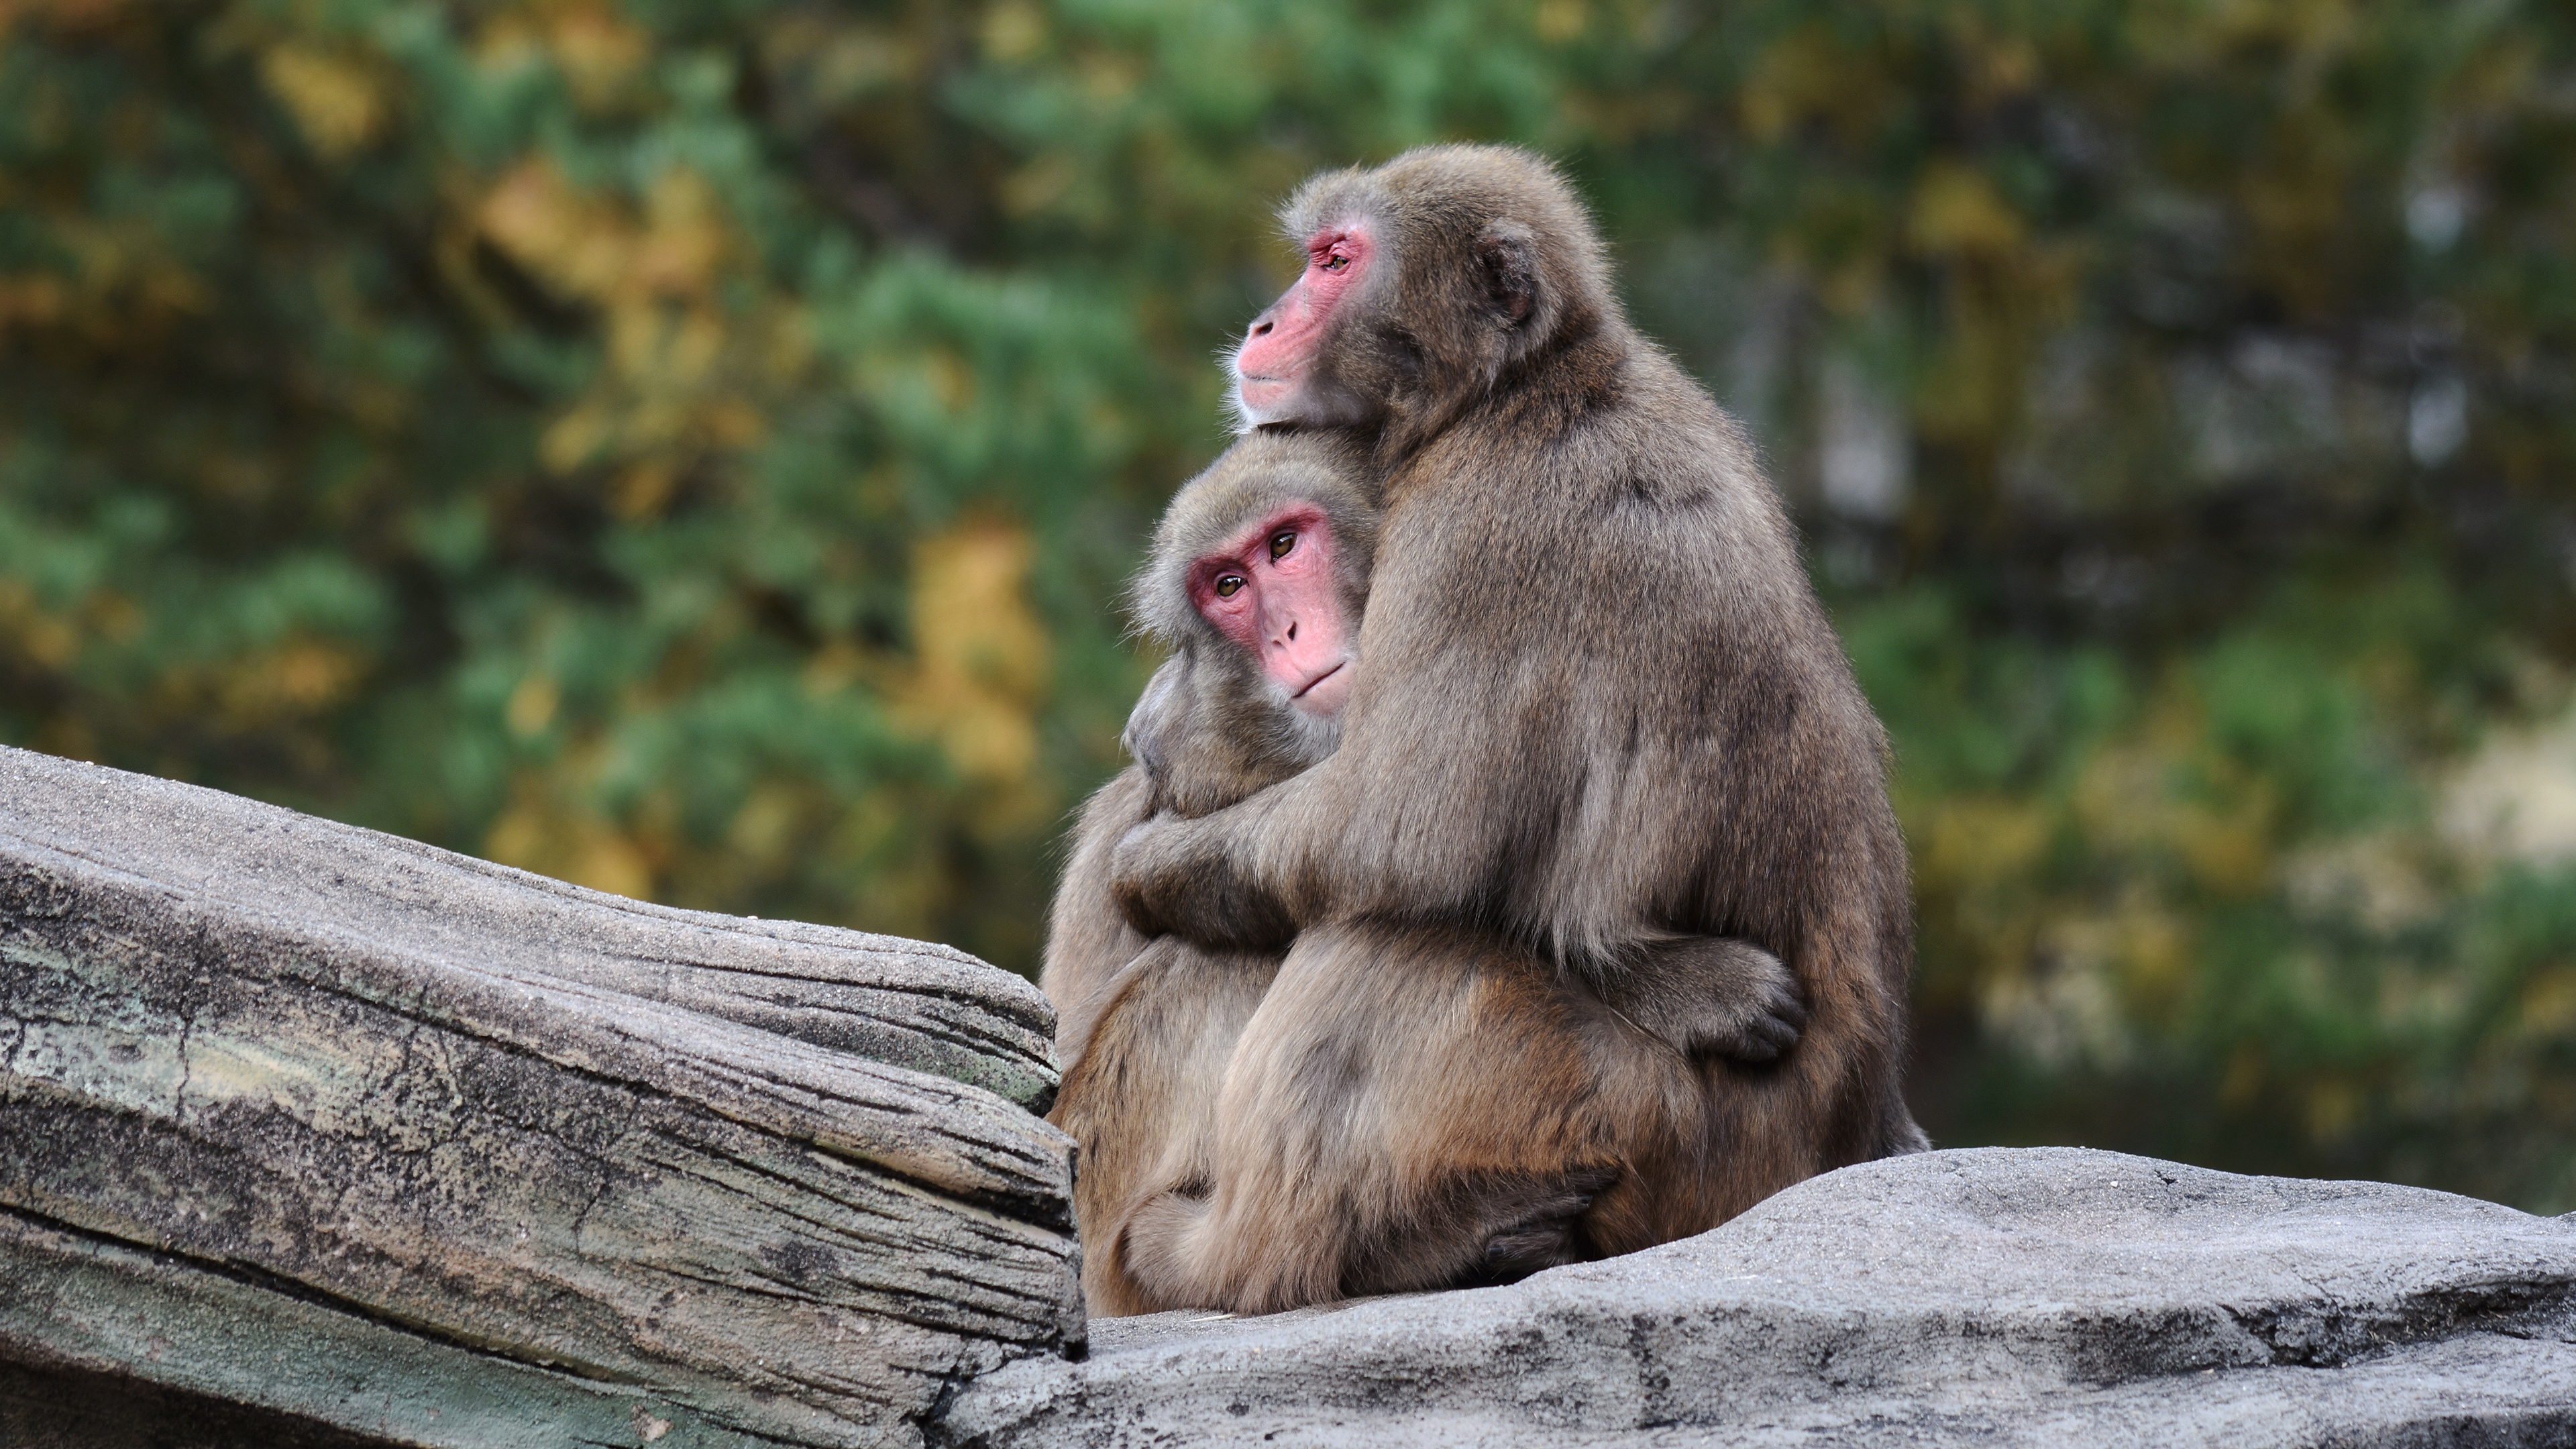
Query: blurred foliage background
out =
(692, 447)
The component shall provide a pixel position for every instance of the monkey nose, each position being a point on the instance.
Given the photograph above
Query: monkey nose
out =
(1260, 329)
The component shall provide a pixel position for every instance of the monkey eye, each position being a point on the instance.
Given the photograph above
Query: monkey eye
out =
(1228, 586)
(1334, 262)
(1282, 541)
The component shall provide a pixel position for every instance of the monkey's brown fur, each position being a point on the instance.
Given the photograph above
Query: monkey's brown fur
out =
(1481, 1102)
(1145, 1026)
(1601, 706)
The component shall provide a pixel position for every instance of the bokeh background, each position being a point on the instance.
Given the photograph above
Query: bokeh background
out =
(693, 449)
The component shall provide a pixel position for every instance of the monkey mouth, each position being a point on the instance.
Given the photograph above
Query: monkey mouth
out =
(1337, 668)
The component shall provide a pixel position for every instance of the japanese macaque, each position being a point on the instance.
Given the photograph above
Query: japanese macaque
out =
(1601, 709)
(1509, 1101)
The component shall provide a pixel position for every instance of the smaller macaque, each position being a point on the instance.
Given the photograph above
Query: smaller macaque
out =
(1145, 1026)
(1521, 1106)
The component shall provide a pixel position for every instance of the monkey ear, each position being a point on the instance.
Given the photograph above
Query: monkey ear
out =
(1159, 714)
(1508, 256)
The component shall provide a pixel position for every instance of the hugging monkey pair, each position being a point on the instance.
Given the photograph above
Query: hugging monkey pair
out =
(1506, 877)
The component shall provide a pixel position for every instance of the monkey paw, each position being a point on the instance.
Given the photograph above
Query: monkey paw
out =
(1133, 864)
(1715, 996)
(1769, 1024)
(1541, 1226)
(1171, 876)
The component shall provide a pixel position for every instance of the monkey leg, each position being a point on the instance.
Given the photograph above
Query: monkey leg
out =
(1408, 1109)
(1141, 1100)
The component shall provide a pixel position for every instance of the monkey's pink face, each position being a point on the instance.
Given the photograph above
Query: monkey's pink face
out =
(1270, 589)
(1270, 367)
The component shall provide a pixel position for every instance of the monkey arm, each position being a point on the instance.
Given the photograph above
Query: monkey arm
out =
(1088, 939)
(1348, 837)
(1189, 878)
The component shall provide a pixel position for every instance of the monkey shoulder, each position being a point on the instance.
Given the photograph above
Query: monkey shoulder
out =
(1125, 799)
(1668, 457)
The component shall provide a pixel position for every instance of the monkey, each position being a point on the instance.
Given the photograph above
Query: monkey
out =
(1213, 726)
(1602, 706)
(1259, 569)
(1145, 1026)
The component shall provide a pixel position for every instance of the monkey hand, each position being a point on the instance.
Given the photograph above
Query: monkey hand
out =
(1138, 864)
(1713, 996)
(1175, 877)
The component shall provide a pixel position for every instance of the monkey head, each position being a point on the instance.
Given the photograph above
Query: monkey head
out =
(1258, 577)
(1427, 280)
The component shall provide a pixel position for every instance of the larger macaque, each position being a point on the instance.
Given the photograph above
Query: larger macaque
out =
(1519, 1121)
(1602, 706)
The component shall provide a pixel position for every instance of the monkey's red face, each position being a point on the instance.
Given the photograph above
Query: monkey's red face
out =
(1270, 589)
(1271, 367)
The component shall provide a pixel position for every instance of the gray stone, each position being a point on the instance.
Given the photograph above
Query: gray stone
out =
(2046, 1296)
(357, 1140)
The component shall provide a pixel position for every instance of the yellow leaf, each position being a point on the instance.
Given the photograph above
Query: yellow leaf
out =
(1804, 77)
(1559, 21)
(532, 705)
(1013, 31)
(337, 103)
(44, 637)
(37, 299)
(684, 234)
(1983, 839)
(541, 834)
(2548, 1003)
(1040, 184)
(571, 439)
(982, 656)
(950, 378)
(597, 51)
(1957, 209)
(641, 490)
(302, 677)
(576, 242)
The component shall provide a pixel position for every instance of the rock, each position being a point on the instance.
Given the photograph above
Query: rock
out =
(2047, 1296)
(315, 1138)
(347, 1139)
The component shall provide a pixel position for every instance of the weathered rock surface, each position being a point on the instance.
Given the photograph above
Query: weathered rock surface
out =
(2041, 1297)
(315, 1138)
(378, 1144)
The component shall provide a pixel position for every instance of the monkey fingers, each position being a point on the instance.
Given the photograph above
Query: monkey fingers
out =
(1711, 996)
(1189, 878)
(1550, 1231)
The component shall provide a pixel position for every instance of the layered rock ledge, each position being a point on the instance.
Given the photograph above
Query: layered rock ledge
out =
(311, 1134)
